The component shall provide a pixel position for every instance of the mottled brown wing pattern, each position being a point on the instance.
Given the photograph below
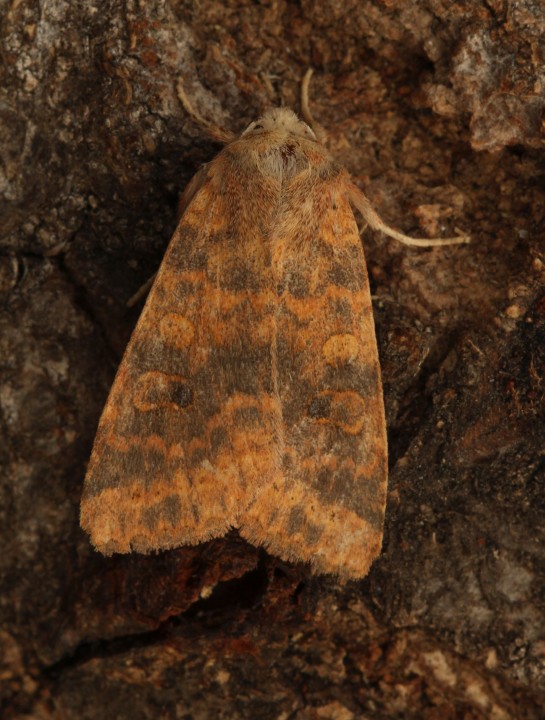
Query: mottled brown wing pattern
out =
(185, 437)
(327, 504)
(250, 393)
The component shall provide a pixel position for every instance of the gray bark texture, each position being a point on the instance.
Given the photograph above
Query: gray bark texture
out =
(437, 110)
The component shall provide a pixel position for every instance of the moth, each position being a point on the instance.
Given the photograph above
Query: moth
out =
(250, 393)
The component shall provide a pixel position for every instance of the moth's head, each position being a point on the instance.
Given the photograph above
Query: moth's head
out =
(280, 119)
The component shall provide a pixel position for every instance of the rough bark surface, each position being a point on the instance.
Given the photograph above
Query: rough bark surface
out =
(437, 110)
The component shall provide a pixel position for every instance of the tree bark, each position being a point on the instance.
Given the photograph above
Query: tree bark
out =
(436, 109)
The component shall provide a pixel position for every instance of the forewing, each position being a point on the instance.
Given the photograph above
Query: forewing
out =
(327, 505)
(185, 438)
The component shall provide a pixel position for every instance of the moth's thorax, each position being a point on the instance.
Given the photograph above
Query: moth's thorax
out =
(280, 145)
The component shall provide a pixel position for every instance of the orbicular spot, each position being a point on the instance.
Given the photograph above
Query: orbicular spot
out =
(156, 390)
(340, 349)
(176, 331)
(345, 409)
